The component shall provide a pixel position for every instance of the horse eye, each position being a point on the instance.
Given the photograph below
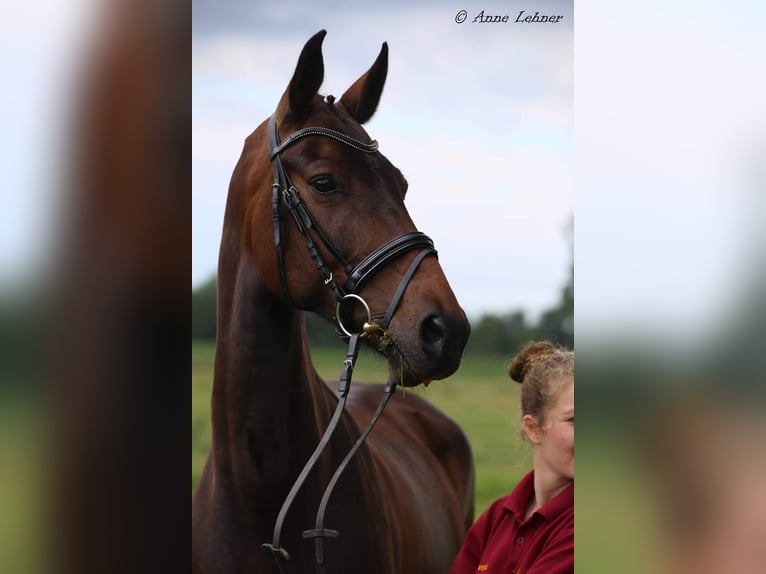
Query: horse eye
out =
(324, 185)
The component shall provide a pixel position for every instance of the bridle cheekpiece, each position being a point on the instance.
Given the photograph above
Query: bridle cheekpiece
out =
(286, 196)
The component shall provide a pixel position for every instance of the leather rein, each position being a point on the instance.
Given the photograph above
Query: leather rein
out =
(286, 196)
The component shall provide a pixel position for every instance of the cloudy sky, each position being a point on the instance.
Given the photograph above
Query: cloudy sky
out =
(477, 116)
(667, 152)
(670, 154)
(38, 60)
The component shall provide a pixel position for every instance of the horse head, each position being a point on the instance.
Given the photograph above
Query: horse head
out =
(326, 217)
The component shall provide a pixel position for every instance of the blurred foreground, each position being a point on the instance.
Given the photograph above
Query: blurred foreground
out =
(671, 451)
(670, 293)
(671, 462)
(95, 393)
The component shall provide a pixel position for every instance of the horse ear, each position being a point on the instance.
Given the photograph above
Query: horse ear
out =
(361, 99)
(308, 76)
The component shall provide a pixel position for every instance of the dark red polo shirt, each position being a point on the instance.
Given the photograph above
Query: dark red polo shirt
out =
(501, 541)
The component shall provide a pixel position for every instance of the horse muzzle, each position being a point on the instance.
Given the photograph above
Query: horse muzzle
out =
(428, 350)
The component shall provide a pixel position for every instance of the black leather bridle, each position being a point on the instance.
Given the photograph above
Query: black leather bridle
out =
(286, 196)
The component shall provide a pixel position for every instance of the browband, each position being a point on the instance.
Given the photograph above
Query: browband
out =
(318, 131)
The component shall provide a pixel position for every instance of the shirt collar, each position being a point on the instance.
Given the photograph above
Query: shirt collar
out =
(517, 500)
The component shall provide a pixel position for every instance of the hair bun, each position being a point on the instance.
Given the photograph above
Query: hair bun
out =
(528, 355)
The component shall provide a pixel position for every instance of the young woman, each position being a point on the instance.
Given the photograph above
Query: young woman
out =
(531, 530)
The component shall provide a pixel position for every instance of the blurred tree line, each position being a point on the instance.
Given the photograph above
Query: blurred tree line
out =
(22, 312)
(500, 334)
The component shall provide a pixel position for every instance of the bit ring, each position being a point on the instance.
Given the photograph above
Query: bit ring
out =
(338, 311)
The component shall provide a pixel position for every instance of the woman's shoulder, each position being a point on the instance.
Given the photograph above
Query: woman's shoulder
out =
(514, 502)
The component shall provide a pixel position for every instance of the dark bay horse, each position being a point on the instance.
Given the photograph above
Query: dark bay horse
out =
(311, 177)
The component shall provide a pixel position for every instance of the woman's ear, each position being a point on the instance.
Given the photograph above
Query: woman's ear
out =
(531, 429)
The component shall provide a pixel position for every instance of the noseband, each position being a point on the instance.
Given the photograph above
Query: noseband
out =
(284, 193)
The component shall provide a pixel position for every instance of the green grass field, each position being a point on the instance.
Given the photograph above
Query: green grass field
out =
(21, 483)
(617, 521)
(480, 397)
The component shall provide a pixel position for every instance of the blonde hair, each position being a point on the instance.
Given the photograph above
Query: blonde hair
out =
(542, 369)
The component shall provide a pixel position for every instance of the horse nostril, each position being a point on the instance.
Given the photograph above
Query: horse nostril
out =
(433, 332)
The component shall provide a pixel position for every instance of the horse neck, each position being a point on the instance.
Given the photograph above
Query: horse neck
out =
(268, 405)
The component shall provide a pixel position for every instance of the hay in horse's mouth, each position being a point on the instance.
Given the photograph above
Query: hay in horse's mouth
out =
(383, 342)
(388, 347)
